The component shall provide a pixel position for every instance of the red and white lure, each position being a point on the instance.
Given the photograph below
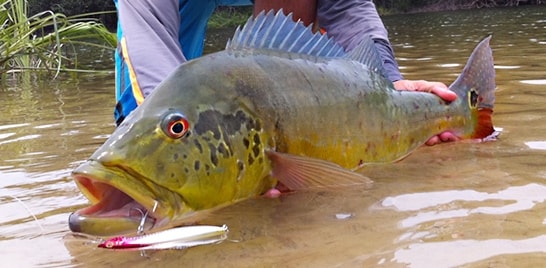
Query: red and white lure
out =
(176, 238)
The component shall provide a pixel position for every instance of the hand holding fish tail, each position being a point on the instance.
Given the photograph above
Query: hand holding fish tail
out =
(438, 88)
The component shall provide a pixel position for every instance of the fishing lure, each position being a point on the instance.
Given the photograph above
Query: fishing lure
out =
(176, 238)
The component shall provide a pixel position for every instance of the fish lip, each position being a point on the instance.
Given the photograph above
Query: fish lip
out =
(95, 180)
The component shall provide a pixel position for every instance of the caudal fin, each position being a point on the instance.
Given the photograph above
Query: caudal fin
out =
(476, 86)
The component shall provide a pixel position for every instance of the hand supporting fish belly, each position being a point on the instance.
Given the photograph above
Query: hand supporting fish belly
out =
(280, 104)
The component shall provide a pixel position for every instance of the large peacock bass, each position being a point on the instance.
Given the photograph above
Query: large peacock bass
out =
(279, 104)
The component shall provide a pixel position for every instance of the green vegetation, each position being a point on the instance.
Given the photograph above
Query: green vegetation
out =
(102, 10)
(34, 39)
(229, 16)
(40, 42)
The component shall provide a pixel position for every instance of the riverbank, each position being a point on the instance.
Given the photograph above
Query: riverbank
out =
(234, 16)
(453, 5)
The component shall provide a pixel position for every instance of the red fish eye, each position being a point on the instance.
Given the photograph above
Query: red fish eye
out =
(175, 125)
(178, 129)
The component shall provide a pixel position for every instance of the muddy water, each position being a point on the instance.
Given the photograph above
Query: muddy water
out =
(460, 204)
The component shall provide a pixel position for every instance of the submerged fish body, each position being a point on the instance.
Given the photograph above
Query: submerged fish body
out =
(279, 104)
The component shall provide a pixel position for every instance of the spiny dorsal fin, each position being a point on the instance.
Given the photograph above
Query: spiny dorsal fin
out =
(367, 54)
(300, 173)
(277, 31)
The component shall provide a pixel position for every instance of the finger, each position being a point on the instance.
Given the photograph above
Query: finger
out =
(404, 85)
(448, 136)
(443, 93)
(432, 141)
(437, 88)
(272, 193)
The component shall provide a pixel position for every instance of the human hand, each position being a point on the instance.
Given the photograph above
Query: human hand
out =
(438, 88)
(441, 90)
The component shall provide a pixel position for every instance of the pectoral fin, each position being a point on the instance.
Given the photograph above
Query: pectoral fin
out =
(299, 172)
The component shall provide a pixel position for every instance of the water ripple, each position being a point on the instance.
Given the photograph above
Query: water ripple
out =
(534, 82)
(468, 251)
(523, 198)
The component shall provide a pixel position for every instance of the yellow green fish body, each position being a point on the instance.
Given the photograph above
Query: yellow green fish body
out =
(230, 125)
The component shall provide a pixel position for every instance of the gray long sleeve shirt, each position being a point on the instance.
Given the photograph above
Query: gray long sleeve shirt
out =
(348, 22)
(152, 29)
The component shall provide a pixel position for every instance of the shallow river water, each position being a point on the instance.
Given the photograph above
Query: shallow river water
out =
(457, 204)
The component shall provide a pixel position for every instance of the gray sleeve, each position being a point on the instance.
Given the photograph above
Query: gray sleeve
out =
(150, 30)
(348, 22)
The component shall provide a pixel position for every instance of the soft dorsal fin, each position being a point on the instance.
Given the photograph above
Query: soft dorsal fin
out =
(300, 173)
(277, 31)
(367, 54)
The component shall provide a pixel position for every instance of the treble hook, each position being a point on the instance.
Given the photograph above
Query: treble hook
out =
(143, 218)
(140, 228)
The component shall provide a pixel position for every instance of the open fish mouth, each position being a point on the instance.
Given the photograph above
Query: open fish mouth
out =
(118, 207)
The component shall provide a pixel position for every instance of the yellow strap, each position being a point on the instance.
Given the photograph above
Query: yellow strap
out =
(137, 93)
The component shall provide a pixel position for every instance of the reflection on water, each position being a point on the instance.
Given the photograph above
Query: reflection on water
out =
(468, 251)
(537, 145)
(45, 130)
(534, 82)
(432, 205)
(450, 205)
(460, 204)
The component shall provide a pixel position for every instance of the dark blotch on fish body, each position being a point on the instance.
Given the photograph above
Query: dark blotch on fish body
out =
(209, 120)
(256, 147)
(198, 145)
(213, 154)
(225, 125)
(197, 164)
(246, 142)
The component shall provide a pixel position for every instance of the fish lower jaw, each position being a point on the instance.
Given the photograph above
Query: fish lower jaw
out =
(113, 212)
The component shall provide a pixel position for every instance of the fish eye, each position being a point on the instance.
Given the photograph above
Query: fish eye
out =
(175, 125)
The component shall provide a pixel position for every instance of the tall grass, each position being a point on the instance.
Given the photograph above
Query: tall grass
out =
(229, 16)
(35, 43)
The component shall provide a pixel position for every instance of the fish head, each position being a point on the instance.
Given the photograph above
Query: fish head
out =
(173, 157)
